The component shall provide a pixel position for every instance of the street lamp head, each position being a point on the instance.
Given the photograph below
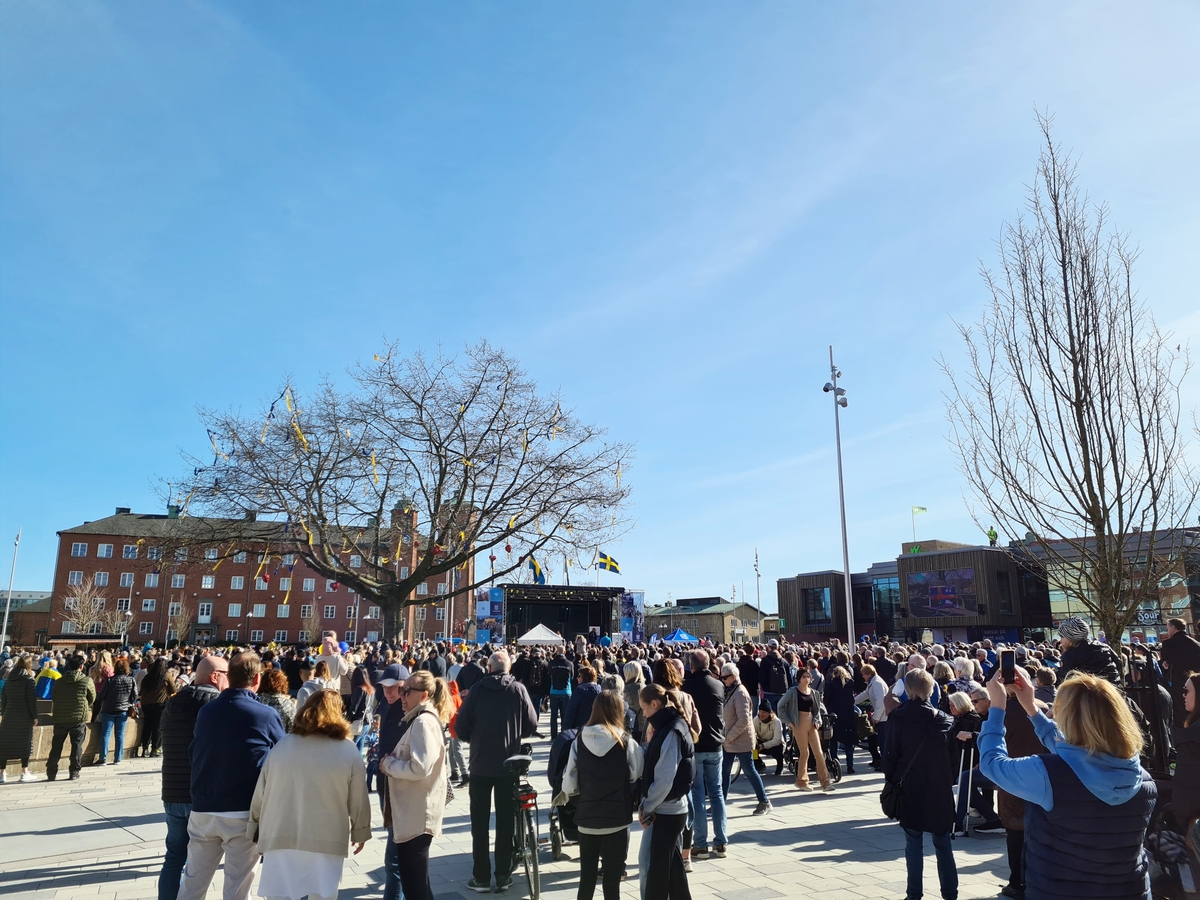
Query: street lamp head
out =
(828, 387)
(843, 402)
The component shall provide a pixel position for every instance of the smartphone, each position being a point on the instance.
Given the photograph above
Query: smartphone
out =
(1008, 666)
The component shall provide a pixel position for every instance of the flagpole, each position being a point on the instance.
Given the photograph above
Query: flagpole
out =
(8, 602)
(912, 514)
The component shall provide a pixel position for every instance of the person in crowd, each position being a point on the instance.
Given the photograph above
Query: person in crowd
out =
(72, 697)
(583, 695)
(101, 669)
(1179, 658)
(839, 701)
(774, 675)
(494, 718)
(561, 673)
(534, 677)
(435, 663)
(1082, 654)
(917, 754)
(739, 737)
(1185, 786)
(603, 765)
(875, 696)
(391, 728)
(290, 666)
(471, 674)
(362, 702)
(708, 694)
(962, 738)
(337, 666)
(234, 733)
(768, 736)
(964, 675)
(1088, 792)
(18, 715)
(46, 677)
(817, 674)
(667, 778)
(458, 766)
(396, 673)
(748, 671)
(115, 698)
(800, 710)
(157, 687)
(304, 835)
(273, 692)
(1046, 689)
(322, 680)
(635, 680)
(416, 773)
(178, 728)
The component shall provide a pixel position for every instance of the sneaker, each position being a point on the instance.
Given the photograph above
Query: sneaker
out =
(155, 754)
(687, 865)
(503, 883)
(762, 809)
(27, 777)
(996, 827)
(807, 788)
(1017, 893)
(480, 887)
(74, 776)
(3, 777)
(699, 853)
(827, 788)
(718, 851)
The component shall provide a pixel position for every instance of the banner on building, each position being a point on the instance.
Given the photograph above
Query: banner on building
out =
(489, 615)
(633, 616)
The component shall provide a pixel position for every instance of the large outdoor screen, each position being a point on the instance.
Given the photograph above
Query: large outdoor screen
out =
(946, 592)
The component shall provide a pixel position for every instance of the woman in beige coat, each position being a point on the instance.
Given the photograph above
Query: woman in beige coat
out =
(416, 779)
(310, 804)
(739, 737)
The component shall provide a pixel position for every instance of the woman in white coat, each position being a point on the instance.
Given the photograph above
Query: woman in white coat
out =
(416, 772)
(875, 694)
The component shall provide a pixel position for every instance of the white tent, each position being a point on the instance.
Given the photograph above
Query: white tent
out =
(538, 634)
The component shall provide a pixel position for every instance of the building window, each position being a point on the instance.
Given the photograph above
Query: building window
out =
(240, 556)
(145, 628)
(282, 611)
(302, 637)
(151, 579)
(260, 611)
(372, 635)
(440, 615)
(235, 610)
(420, 635)
(237, 583)
(330, 612)
(439, 636)
(171, 635)
(259, 584)
(817, 609)
(262, 558)
(372, 612)
(231, 635)
(349, 612)
(420, 613)
(68, 627)
(442, 588)
(1004, 590)
(126, 579)
(289, 559)
(208, 582)
(330, 584)
(210, 553)
(305, 611)
(350, 637)
(154, 553)
(104, 551)
(122, 604)
(71, 603)
(355, 561)
(79, 549)
(174, 608)
(256, 637)
(94, 628)
(75, 577)
(148, 604)
(403, 572)
(422, 589)
(204, 610)
(101, 579)
(181, 554)
(310, 585)
(285, 584)
(280, 636)
(98, 604)
(129, 551)
(177, 581)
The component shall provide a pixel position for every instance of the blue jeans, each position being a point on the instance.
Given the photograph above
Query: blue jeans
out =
(751, 773)
(558, 706)
(177, 846)
(107, 721)
(708, 781)
(977, 799)
(914, 858)
(391, 870)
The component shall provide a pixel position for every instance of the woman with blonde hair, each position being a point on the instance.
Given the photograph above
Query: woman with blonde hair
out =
(310, 804)
(635, 680)
(1088, 801)
(416, 780)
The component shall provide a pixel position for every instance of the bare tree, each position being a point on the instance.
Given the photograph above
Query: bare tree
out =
(179, 619)
(1067, 421)
(312, 627)
(84, 608)
(426, 463)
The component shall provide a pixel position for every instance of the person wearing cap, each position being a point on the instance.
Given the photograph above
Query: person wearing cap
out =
(768, 734)
(391, 730)
(739, 737)
(1081, 654)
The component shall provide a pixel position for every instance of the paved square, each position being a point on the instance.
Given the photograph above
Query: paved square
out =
(102, 838)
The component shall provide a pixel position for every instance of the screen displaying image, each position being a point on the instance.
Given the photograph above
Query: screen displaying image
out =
(946, 592)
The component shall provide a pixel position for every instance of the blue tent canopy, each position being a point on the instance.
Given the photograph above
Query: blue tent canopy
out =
(679, 636)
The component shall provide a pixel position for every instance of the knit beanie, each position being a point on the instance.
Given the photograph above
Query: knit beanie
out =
(1073, 629)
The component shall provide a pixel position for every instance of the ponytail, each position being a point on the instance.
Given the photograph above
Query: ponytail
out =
(439, 696)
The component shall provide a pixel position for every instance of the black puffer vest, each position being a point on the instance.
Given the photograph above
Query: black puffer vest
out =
(664, 721)
(605, 798)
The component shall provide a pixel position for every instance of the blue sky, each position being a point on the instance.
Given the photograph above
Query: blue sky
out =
(667, 211)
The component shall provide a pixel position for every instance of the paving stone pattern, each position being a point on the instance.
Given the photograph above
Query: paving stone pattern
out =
(101, 838)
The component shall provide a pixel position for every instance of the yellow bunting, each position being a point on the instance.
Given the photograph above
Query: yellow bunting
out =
(300, 435)
(373, 467)
(512, 523)
(263, 439)
(287, 399)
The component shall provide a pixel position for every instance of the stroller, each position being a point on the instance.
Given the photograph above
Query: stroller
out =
(562, 818)
(791, 754)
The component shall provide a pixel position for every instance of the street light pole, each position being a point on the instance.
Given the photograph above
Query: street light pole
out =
(758, 593)
(839, 403)
(8, 602)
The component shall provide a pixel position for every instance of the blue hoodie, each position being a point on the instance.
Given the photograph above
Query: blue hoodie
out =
(1110, 779)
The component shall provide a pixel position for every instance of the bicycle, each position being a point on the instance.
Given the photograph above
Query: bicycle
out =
(525, 809)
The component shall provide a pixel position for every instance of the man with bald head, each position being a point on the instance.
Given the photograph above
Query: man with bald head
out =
(177, 728)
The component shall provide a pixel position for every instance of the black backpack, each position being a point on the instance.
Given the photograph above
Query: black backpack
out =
(777, 677)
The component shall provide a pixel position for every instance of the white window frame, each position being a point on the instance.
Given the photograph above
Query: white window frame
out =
(259, 584)
(285, 584)
(355, 561)
(256, 637)
(68, 627)
(130, 551)
(235, 610)
(178, 581)
(154, 553)
(259, 611)
(151, 580)
(309, 585)
(78, 549)
(330, 612)
(208, 582)
(181, 554)
(329, 582)
(440, 615)
(148, 604)
(423, 589)
(75, 576)
(104, 551)
(126, 579)
(350, 613)
(443, 588)
(210, 553)
(372, 612)
(240, 556)
(403, 572)
(280, 636)
(101, 579)
(306, 611)
(145, 627)
(283, 610)
(237, 583)
(174, 608)
(205, 609)
(421, 613)
(350, 637)
(289, 559)
(123, 604)
(231, 635)
(302, 637)
(372, 635)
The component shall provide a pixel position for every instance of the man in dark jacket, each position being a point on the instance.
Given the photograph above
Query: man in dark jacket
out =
(1080, 654)
(496, 716)
(709, 696)
(579, 707)
(561, 673)
(72, 695)
(534, 679)
(917, 753)
(177, 728)
(436, 664)
(234, 732)
(748, 670)
(774, 675)
(469, 675)
(1180, 655)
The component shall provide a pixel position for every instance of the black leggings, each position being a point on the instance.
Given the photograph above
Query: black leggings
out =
(24, 763)
(613, 848)
(151, 718)
(1016, 857)
(413, 857)
(665, 877)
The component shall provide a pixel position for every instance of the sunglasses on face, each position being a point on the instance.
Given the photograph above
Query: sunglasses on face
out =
(406, 691)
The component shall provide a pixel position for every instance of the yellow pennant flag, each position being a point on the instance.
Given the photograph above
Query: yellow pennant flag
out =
(300, 435)
(374, 469)
(287, 399)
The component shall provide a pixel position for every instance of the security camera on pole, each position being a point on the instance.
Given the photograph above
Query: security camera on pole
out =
(839, 403)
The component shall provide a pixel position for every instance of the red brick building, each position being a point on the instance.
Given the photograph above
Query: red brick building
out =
(257, 589)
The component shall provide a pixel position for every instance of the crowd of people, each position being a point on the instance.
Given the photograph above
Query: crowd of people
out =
(1049, 755)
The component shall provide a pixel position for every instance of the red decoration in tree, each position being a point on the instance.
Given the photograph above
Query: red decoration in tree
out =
(492, 557)
(508, 549)
(335, 585)
(266, 577)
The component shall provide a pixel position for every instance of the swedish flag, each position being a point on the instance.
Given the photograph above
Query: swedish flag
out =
(539, 577)
(607, 562)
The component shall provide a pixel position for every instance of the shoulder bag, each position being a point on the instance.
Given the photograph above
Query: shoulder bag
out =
(889, 797)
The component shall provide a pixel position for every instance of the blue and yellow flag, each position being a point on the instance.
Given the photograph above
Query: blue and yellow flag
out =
(539, 577)
(607, 562)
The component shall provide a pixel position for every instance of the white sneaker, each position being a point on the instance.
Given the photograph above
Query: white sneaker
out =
(28, 776)
(3, 777)
(687, 865)
(828, 788)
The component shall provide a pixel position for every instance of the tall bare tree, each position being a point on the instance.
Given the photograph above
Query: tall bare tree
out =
(422, 465)
(1066, 422)
(84, 607)
(179, 619)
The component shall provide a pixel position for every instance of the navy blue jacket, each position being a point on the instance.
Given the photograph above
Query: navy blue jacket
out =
(579, 707)
(233, 734)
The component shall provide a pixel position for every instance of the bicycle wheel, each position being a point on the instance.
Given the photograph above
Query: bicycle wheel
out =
(834, 767)
(530, 855)
(556, 842)
(735, 770)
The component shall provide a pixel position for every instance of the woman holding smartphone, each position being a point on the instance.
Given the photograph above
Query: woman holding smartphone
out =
(666, 785)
